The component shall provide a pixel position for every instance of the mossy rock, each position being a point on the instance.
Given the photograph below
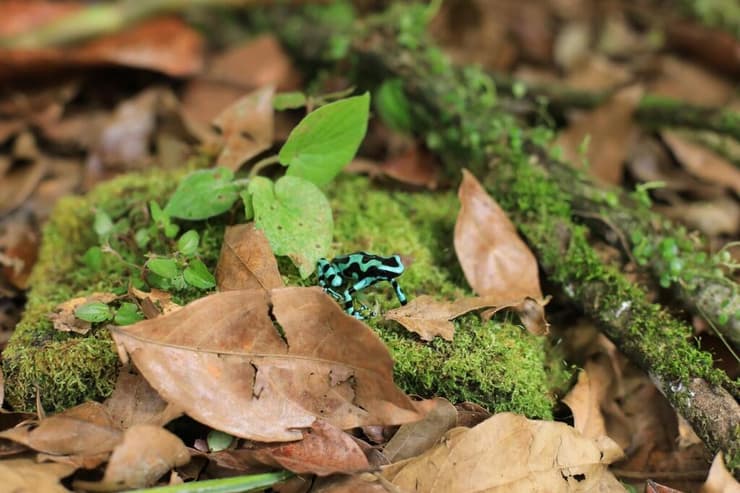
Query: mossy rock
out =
(496, 364)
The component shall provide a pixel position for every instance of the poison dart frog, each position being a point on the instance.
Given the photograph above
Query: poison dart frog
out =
(355, 272)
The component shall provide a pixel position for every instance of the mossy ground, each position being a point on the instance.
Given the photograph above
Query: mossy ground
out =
(496, 364)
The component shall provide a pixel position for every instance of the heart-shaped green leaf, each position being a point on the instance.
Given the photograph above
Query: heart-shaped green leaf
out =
(197, 275)
(164, 267)
(296, 218)
(127, 314)
(326, 140)
(203, 194)
(188, 242)
(94, 311)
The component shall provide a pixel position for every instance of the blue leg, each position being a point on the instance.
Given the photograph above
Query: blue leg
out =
(399, 292)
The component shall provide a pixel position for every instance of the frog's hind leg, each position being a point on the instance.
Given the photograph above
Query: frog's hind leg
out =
(399, 292)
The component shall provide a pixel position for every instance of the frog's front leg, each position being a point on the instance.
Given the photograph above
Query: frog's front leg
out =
(399, 292)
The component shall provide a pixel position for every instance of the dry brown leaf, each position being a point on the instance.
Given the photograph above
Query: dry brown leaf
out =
(226, 79)
(248, 128)
(417, 166)
(2, 388)
(680, 79)
(412, 439)
(327, 364)
(719, 479)
(509, 453)
(19, 183)
(28, 476)
(611, 129)
(155, 302)
(495, 260)
(246, 260)
(19, 243)
(163, 44)
(653, 487)
(357, 483)
(324, 450)
(145, 454)
(470, 414)
(703, 162)
(584, 400)
(64, 318)
(713, 217)
(135, 402)
(86, 429)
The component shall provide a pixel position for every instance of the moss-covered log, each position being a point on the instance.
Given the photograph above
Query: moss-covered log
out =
(455, 110)
(496, 364)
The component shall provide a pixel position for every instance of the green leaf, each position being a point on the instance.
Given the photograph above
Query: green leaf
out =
(94, 311)
(164, 267)
(103, 224)
(218, 440)
(247, 201)
(170, 230)
(203, 194)
(296, 218)
(188, 243)
(93, 258)
(288, 100)
(197, 275)
(158, 215)
(326, 140)
(127, 314)
(142, 237)
(393, 106)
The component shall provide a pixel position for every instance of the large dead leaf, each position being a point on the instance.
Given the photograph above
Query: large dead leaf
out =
(412, 439)
(610, 129)
(86, 429)
(27, 476)
(64, 319)
(495, 260)
(246, 260)
(146, 453)
(703, 162)
(135, 402)
(719, 479)
(322, 364)
(248, 128)
(509, 453)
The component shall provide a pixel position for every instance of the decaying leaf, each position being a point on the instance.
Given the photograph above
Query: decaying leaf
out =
(322, 364)
(19, 183)
(27, 475)
(144, 455)
(495, 260)
(417, 166)
(135, 402)
(155, 302)
(412, 439)
(86, 429)
(584, 399)
(248, 128)
(719, 479)
(610, 129)
(19, 244)
(509, 453)
(246, 260)
(64, 318)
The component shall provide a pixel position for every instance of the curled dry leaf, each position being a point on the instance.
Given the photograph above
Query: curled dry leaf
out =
(86, 429)
(155, 302)
(610, 129)
(323, 364)
(135, 402)
(246, 260)
(64, 318)
(584, 400)
(27, 475)
(509, 453)
(495, 260)
(248, 128)
(412, 439)
(719, 479)
(146, 453)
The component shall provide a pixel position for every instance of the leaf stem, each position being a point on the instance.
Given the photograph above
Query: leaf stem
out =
(262, 164)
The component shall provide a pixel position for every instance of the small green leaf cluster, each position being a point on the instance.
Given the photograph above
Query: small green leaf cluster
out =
(292, 211)
(98, 312)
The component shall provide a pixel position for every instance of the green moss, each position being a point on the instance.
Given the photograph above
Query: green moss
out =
(496, 364)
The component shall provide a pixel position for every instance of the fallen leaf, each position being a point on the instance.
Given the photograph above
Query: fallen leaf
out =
(86, 429)
(610, 129)
(19, 183)
(470, 414)
(19, 243)
(679, 79)
(163, 44)
(509, 453)
(146, 453)
(26, 475)
(495, 260)
(324, 450)
(412, 439)
(357, 483)
(135, 402)
(416, 166)
(584, 400)
(327, 364)
(702, 162)
(653, 487)
(719, 479)
(226, 80)
(246, 260)
(155, 302)
(248, 128)
(2, 388)
(64, 318)
(713, 217)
